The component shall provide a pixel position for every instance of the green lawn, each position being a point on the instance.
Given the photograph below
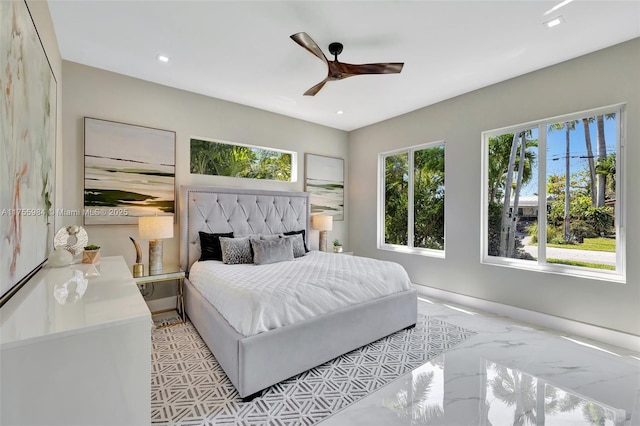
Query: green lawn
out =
(593, 244)
(583, 264)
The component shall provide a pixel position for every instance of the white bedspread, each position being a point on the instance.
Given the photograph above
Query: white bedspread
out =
(258, 298)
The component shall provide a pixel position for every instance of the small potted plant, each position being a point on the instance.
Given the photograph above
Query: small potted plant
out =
(337, 246)
(91, 254)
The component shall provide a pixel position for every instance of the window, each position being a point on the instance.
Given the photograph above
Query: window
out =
(243, 161)
(412, 200)
(564, 173)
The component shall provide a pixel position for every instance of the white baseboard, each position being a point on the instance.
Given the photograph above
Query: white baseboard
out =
(164, 304)
(605, 335)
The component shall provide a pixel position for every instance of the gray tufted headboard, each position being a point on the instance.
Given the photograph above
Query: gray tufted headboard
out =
(243, 211)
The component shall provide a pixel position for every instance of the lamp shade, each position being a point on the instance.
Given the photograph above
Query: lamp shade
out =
(155, 227)
(322, 223)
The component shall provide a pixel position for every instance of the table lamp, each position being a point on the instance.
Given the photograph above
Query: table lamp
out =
(154, 229)
(323, 224)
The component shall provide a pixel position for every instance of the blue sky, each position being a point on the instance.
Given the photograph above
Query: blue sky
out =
(556, 150)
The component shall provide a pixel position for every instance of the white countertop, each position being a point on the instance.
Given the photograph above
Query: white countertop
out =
(72, 300)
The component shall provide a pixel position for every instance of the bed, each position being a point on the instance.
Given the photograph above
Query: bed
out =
(258, 360)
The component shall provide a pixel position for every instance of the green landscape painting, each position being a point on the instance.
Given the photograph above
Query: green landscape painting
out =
(129, 172)
(324, 180)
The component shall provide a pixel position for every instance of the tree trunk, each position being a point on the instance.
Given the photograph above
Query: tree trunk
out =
(516, 197)
(567, 181)
(518, 413)
(592, 167)
(602, 154)
(505, 227)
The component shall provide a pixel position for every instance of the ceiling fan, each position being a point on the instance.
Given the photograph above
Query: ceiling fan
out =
(339, 70)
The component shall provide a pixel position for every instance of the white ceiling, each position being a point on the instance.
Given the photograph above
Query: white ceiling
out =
(241, 51)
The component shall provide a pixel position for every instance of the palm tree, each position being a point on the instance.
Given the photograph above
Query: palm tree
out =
(592, 168)
(507, 225)
(516, 389)
(567, 126)
(428, 199)
(532, 398)
(607, 168)
(507, 155)
(602, 154)
(396, 199)
(412, 404)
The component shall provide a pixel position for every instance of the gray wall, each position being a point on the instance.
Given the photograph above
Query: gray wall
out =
(603, 78)
(101, 94)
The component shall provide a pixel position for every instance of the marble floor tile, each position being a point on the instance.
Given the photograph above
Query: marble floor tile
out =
(510, 373)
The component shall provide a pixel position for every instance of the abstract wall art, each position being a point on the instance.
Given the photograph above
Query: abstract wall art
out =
(324, 180)
(129, 171)
(27, 148)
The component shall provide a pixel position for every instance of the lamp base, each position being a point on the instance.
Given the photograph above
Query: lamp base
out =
(138, 270)
(322, 245)
(155, 257)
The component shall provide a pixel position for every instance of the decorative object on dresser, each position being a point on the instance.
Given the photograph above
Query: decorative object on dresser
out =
(154, 229)
(323, 224)
(91, 254)
(129, 172)
(138, 267)
(324, 180)
(71, 238)
(337, 246)
(28, 135)
(60, 258)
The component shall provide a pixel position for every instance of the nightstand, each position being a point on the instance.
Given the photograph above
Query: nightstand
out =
(169, 273)
(348, 253)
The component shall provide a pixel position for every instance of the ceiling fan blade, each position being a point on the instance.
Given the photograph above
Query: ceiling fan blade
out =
(304, 40)
(315, 89)
(381, 68)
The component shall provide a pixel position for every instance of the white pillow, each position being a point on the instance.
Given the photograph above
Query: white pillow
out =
(272, 251)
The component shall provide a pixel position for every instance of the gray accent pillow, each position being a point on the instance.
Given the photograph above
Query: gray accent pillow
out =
(236, 250)
(252, 236)
(272, 251)
(298, 244)
(270, 236)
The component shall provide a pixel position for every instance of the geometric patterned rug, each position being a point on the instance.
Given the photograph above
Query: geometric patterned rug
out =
(188, 386)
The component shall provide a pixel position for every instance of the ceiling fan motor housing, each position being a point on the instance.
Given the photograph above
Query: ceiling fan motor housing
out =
(335, 49)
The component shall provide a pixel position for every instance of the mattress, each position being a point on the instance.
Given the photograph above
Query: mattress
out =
(258, 298)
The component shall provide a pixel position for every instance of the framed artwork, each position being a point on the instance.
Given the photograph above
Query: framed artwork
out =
(27, 149)
(129, 171)
(324, 180)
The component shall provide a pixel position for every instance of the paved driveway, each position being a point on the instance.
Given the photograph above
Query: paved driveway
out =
(600, 257)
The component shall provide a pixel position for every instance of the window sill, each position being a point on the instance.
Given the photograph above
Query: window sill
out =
(412, 250)
(610, 276)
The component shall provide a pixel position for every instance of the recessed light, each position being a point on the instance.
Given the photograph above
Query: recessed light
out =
(557, 6)
(555, 22)
(340, 112)
(162, 58)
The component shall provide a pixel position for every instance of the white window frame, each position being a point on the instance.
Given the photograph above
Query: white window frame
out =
(294, 157)
(619, 275)
(409, 248)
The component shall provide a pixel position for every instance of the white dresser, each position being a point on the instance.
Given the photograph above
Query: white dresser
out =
(75, 349)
